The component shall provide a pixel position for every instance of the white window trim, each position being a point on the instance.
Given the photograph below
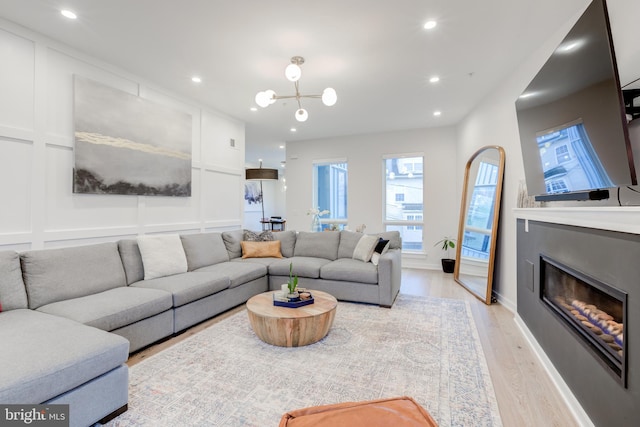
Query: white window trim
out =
(329, 161)
(383, 181)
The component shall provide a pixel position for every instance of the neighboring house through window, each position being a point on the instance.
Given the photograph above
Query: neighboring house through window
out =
(403, 205)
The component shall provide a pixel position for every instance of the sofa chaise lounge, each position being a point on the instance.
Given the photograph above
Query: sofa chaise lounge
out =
(71, 316)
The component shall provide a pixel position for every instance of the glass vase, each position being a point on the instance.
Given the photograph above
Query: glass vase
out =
(315, 223)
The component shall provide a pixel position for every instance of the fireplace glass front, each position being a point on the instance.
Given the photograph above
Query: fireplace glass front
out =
(593, 310)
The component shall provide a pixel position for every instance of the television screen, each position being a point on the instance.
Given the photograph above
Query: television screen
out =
(569, 162)
(573, 129)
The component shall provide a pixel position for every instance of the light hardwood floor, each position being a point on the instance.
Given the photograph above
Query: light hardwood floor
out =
(526, 396)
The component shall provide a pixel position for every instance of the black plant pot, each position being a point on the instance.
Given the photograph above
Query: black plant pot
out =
(448, 265)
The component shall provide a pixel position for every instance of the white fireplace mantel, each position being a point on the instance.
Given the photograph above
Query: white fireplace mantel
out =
(625, 219)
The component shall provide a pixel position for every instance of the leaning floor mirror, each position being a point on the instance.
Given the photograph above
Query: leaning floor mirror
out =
(479, 217)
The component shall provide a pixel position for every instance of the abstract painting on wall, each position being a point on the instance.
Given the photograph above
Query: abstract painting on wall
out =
(252, 196)
(125, 144)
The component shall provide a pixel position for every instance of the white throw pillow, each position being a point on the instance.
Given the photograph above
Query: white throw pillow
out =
(365, 247)
(162, 255)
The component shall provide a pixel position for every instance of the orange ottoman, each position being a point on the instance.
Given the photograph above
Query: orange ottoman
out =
(396, 412)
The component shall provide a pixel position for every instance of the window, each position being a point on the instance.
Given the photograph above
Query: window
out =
(562, 154)
(556, 186)
(403, 199)
(414, 218)
(330, 192)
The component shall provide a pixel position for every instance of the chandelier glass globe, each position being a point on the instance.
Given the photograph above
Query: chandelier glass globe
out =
(329, 97)
(302, 115)
(293, 72)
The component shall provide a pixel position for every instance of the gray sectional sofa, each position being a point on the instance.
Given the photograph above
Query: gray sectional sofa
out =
(71, 316)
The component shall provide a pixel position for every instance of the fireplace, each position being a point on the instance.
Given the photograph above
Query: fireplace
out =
(579, 300)
(594, 311)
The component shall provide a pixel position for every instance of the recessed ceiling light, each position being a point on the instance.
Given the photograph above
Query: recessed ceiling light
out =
(429, 25)
(196, 79)
(293, 129)
(437, 113)
(434, 79)
(282, 147)
(253, 109)
(68, 14)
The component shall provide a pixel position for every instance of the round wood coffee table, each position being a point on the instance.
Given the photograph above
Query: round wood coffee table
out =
(291, 327)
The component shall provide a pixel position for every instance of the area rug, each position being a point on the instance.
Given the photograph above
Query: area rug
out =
(426, 348)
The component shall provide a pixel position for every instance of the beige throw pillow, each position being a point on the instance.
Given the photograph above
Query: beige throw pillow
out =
(365, 247)
(261, 249)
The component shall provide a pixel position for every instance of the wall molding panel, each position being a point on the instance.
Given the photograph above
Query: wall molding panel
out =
(36, 155)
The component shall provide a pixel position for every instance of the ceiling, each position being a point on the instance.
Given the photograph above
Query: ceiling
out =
(375, 54)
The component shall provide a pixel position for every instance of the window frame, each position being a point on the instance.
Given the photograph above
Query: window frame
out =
(410, 225)
(328, 222)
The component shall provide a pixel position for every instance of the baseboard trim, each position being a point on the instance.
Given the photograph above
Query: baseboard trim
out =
(578, 413)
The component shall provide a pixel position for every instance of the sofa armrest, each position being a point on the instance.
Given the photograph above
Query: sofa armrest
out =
(389, 275)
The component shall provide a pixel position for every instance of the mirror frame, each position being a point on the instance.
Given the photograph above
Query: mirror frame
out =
(486, 297)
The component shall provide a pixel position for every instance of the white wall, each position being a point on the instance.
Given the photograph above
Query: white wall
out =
(36, 155)
(494, 122)
(364, 154)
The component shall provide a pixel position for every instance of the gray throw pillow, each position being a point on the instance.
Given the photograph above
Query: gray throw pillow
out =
(252, 236)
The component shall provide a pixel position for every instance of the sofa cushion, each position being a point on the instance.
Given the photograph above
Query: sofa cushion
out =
(131, 260)
(287, 242)
(204, 249)
(238, 272)
(350, 270)
(348, 242)
(232, 241)
(319, 245)
(187, 287)
(112, 309)
(50, 355)
(365, 247)
(52, 275)
(263, 261)
(12, 292)
(308, 267)
(162, 255)
(261, 249)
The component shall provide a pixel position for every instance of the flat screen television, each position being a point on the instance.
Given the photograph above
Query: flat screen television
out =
(571, 117)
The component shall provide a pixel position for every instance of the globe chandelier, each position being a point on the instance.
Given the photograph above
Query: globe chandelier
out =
(293, 73)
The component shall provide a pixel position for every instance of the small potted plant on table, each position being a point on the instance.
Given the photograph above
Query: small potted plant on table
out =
(448, 263)
(292, 284)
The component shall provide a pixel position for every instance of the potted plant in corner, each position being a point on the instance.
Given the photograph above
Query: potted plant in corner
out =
(448, 264)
